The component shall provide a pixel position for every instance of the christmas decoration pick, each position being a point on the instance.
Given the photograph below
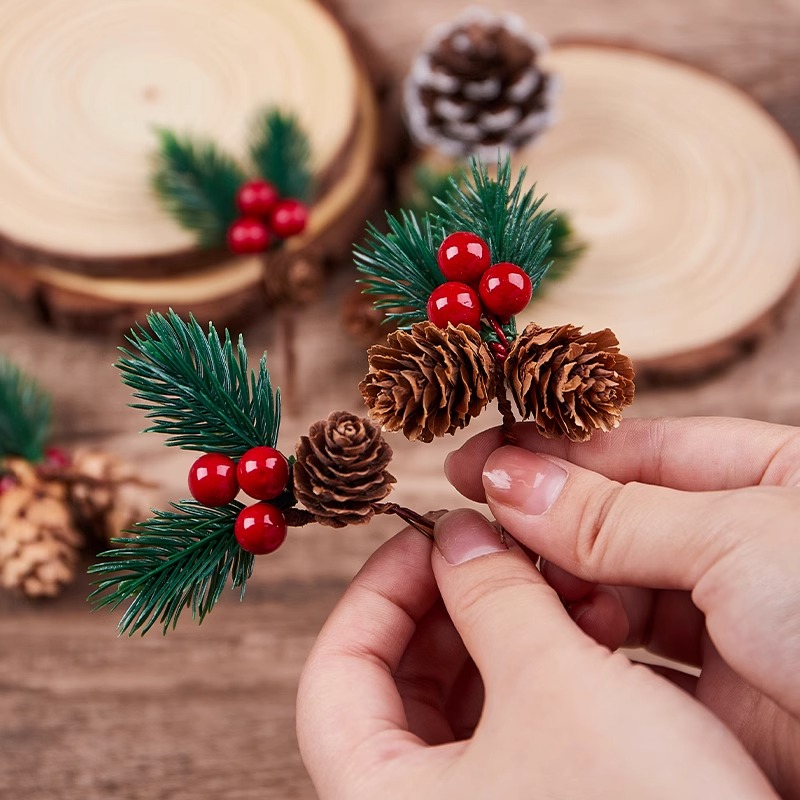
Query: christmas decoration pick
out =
(452, 281)
(197, 389)
(52, 504)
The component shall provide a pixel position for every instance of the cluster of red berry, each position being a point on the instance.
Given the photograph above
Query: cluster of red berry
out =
(262, 473)
(474, 286)
(264, 215)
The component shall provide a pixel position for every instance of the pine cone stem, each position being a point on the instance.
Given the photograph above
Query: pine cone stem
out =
(504, 406)
(423, 525)
(298, 517)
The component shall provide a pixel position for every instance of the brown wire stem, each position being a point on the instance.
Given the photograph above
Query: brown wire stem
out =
(423, 525)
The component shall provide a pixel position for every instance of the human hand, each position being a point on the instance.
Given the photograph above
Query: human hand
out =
(680, 536)
(497, 693)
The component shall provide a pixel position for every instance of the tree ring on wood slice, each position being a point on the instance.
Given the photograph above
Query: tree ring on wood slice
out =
(688, 195)
(85, 83)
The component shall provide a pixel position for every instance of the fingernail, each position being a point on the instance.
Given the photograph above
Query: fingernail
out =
(463, 535)
(523, 480)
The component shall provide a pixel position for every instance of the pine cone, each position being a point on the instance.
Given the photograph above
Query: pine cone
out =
(39, 545)
(428, 381)
(477, 87)
(570, 383)
(106, 495)
(292, 278)
(341, 469)
(362, 320)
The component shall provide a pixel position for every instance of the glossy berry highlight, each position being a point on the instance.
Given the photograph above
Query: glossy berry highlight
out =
(505, 290)
(463, 257)
(260, 529)
(256, 198)
(263, 473)
(248, 235)
(212, 480)
(454, 303)
(289, 218)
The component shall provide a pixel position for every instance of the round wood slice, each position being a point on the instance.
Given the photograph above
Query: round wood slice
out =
(688, 195)
(83, 83)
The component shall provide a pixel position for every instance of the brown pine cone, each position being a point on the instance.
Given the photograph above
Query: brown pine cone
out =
(571, 384)
(361, 319)
(39, 545)
(292, 278)
(477, 87)
(105, 494)
(340, 470)
(428, 381)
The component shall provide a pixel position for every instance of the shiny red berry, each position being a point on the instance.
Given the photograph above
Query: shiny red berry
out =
(505, 290)
(464, 257)
(260, 529)
(263, 473)
(248, 235)
(256, 198)
(289, 218)
(212, 480)
(455, 303)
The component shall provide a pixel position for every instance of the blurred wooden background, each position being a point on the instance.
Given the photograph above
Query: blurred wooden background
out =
(208, 712)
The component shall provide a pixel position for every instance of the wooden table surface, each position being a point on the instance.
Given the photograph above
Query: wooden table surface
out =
(208, 712)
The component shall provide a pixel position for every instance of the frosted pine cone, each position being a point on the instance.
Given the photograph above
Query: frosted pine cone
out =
(341, 469)
(39, 545)
(477, 87)
(428, 381)
(571, 384)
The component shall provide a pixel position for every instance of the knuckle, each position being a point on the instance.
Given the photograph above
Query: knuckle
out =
(598, 519)
(488, 594)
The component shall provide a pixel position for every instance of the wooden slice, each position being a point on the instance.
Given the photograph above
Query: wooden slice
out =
(688, 195)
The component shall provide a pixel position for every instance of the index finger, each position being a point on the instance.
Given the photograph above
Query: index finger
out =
(691, 454)
(347, 694)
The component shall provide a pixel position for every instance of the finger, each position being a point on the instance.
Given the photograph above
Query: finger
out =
(349, 675)
(427, 673)
(602, 616)
(493, 592)
(736, 551)
(698, 454)
(465, 703)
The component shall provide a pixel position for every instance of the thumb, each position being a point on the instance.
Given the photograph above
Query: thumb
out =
(492, 592)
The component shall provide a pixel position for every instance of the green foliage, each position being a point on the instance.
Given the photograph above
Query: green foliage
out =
(197, 185)
(400, 267)
(281, 153)
(501, 212)
(566, 248)
(24, 414)
(181, 558)
(429, 183)
(198, 388)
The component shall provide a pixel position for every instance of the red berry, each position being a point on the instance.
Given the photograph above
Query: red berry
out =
(463, 256)
(256, 198)
(505, 290)
(260, 529)
(248, 235)
(212, 480)
(7, 481)
(56, 457)
(263, 473)
(455, 303)
(288, 218)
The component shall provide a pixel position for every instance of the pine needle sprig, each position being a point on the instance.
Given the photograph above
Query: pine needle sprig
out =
(25, 414)
(197, 185)
(178, 559)
(400, 266)
(197, 387)
(504, 214)
(281, 153)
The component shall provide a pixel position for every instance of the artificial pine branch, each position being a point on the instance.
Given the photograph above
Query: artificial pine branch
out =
(197, 185)
(503, 213)
(281, 154)
(178, 559)
(198, 387)
(25, 411)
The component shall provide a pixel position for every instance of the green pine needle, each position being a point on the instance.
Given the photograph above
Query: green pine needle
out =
(181, 558)
(24, 414)
(198, 388)
(400, 267)
(197, 185)
(501, 212)
(281, 153)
